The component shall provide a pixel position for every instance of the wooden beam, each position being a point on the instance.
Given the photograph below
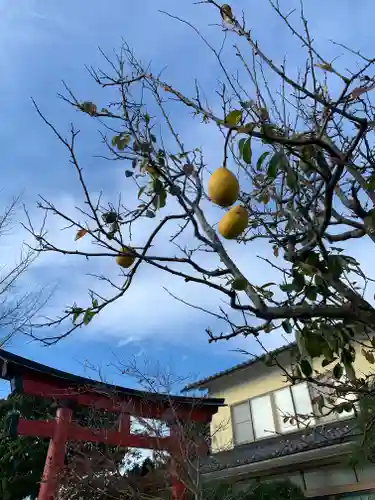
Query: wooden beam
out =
(88, 396)
(75, 432)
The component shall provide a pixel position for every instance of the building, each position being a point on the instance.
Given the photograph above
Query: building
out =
(252, 439)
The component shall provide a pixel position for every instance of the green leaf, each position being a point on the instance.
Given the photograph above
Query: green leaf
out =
(298, 284)
(306, 368)
(288, 287)
(311, 293)
(246, 104)
(314, 344)
(241, 142)
(77, 311)
(175, 190)
(324, 67)
(338, 371)
(261, 159)
(335, 265)
(287, 326)
(122, 141)
(291, 179)
(246, 151)
(89, 314)
(349, 260)
(157, 186)
(141, 191)
(115, 138)
(239, 284)
(273, 165)
(150, 214)
(94, 303)
(110, 217)
(160, 200)
(266, 285)
(312, 259)
(234, 117)
(371, 182)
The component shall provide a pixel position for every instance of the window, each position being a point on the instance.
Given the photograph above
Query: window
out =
(302, 401)
(242, 424)
(284, 408)
(327, 414)
(263, 418)
(293, 401)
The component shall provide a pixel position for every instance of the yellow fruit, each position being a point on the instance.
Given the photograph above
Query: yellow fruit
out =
(125, 259)
(233, 223)
(223, 187)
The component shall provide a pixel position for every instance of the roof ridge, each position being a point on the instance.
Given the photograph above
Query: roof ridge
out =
(199, 383)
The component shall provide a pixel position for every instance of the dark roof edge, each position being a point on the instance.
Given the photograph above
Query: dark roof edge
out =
(18, 363)
(200, 384)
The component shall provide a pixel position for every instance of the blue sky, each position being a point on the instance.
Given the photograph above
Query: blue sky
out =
(43, 42)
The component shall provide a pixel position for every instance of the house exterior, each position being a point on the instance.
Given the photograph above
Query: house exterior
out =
(251, 439)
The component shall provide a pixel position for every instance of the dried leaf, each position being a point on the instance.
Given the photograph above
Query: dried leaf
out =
(226, 13)
(80, 234)
(89, 108)
(188, 169)
(358, 91)
(263, 114)
(324, 67)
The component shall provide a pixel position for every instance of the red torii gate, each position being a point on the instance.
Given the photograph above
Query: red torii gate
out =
(68, 390)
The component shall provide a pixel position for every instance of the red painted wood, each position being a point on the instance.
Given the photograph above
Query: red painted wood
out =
(38, 428)
(56, 454)
(124, 423)
(178, 489)
(111, 402)
(76, 432)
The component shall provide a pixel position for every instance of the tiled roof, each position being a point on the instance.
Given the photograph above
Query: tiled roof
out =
(278, 446)
(245, 364)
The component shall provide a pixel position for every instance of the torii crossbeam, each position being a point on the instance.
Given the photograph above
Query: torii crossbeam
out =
(70, 391)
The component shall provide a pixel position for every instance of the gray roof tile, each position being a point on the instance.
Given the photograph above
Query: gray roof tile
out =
(278, 446)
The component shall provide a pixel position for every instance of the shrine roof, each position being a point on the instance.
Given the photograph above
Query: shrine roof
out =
(13, 366)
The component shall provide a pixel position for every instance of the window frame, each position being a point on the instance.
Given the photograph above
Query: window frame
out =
(272, 404)
(332, 416)
(270, 394)
(233, 424)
